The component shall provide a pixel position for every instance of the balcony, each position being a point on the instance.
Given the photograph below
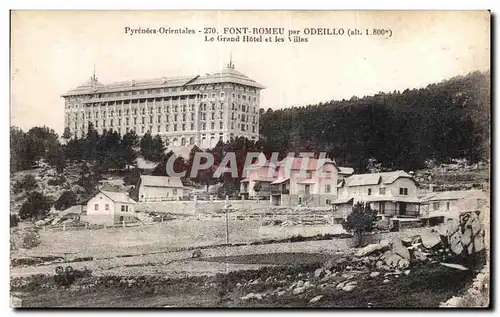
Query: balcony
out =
(280, 191)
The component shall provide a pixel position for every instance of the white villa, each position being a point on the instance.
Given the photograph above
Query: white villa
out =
(392, 194)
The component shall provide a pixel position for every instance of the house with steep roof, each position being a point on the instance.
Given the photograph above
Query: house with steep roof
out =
(159, 188)
(392, 194)
(258, 179)
(295, 181)
(110, 208)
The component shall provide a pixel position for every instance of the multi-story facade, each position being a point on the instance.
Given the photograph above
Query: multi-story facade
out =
(392, 194)
(185, 111)
(289, 183)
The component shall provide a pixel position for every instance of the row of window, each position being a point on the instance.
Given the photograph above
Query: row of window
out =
(213, 96)
(436, 205)
(381, 191)
(203, 116)
(175, 108)
(106, 207)
(176, 127)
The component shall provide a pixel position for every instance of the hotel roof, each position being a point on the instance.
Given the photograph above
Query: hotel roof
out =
(227, 75)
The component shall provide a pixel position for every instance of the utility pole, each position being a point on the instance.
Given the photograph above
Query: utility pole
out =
(227, 220)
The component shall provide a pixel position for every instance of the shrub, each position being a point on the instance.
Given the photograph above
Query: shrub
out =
(28, 182)
(31, 240)
(14, 220)
(360, 221)
(66, 200)
(36, 206)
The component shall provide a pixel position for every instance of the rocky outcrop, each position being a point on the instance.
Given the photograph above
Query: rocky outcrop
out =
(475, 296)
(461, 237)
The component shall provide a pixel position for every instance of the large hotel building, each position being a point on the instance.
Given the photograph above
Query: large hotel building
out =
(185, 111)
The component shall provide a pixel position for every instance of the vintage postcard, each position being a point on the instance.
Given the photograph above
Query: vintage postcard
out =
(334, 159)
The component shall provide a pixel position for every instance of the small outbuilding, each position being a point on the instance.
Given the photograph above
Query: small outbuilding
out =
(110, 208)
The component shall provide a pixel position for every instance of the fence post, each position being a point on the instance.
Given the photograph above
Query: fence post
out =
(123, 223)
(86, 226)
(43, 228)
(64, 227)
(227, 220)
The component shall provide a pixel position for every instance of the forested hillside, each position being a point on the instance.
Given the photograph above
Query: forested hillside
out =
(442, 121)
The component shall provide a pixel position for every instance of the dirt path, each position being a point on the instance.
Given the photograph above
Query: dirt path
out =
(180, 263)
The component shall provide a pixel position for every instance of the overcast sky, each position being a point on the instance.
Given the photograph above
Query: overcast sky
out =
(53, 52)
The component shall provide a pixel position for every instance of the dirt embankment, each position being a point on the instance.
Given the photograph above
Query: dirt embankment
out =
(289, 286)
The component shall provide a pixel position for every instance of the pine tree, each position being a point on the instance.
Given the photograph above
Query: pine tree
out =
(146, 145)
(158, 150)
(129, 143)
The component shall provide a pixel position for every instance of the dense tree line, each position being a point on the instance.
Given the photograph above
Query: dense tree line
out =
(107, 151)
(401, 130)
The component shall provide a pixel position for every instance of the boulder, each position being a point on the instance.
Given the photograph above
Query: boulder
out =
(349, 287)
(455, 266)
(466, 237)
(315, 299)
(478, 243)
(281, 293)
(328, 265)
(386, 281)
(371, 248)
(251, 296)
(374, 274)
(403, 264)
(407, 241)
(16, 302)
(393, 260)
(407, 272)
(300, 283)
(452, 226)
(456, 243)
(318, 273)
(299, 290)
(340, 285)
(308, 284)
(431, 240)
(255, 282)
(399, 248)
(475, 226)
(342, 261)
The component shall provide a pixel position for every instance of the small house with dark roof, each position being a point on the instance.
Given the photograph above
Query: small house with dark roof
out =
(109, 208)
